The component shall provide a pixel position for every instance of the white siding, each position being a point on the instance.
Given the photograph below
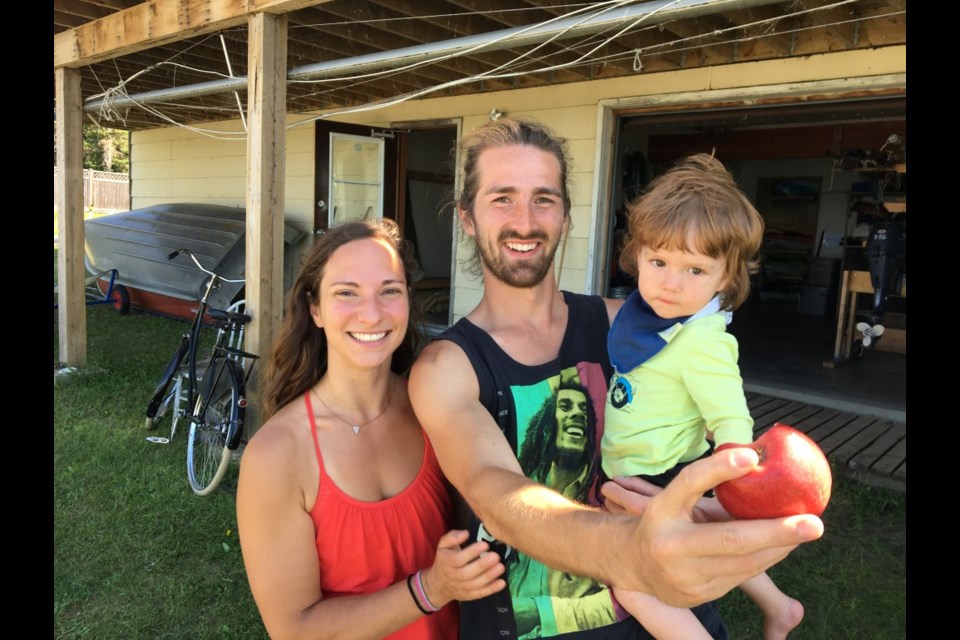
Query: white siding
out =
(169, 162)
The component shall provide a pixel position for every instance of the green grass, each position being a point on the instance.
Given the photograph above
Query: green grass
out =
(87, 214)
(852, 582)
(138, 555)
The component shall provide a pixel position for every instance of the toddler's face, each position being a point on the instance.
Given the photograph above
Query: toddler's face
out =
(678, 283)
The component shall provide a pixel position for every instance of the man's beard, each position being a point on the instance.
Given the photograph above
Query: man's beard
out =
(522, 275)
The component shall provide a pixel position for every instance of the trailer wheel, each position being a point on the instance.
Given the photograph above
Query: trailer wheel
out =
(121, 299)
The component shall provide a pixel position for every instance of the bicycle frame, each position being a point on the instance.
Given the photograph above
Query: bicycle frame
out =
(188, 392)
(216, 410)
(221, 351)
(193, 337)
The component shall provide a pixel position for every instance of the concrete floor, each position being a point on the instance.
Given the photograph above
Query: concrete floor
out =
(782, 354)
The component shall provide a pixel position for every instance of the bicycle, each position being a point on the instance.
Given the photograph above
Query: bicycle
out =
(213, 400)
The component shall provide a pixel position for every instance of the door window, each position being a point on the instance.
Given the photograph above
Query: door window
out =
(356, 178)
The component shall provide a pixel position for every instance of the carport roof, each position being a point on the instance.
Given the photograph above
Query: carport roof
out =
(158, 52)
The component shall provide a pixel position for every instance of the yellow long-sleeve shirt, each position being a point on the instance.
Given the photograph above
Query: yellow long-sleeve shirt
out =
(662, 412)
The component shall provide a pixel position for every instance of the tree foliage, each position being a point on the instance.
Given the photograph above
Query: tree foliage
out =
(105, 149)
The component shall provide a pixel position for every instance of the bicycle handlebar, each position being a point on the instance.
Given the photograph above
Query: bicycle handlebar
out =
(200, 266)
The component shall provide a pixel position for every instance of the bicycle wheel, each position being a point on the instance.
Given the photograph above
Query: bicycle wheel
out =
(217, 419)
(164, 392)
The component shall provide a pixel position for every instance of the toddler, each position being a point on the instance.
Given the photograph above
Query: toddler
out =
(692, 241)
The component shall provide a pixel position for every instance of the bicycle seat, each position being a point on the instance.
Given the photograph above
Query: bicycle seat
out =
(221, 315)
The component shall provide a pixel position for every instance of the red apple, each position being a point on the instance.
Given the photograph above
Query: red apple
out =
(793, 477)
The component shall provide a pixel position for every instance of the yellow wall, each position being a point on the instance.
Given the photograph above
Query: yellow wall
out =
(175, 164)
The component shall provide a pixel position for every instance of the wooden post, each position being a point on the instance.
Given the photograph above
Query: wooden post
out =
(72, 310)
(266, 161)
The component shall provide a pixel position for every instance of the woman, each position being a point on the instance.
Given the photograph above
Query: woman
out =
(342, 508)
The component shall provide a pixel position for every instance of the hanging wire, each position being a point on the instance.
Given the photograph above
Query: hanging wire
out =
(520, 65)
(226, 55)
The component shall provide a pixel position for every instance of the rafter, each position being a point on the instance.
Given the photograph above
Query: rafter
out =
(113, 40)
(768, 23)
(157, 22)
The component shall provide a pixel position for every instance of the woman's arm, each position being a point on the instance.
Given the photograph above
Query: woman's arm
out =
(279, 552)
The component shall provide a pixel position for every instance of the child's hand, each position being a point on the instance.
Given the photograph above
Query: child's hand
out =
(462, 574)
(628, 495)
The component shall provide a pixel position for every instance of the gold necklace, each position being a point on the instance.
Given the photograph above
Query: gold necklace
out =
(356, 427)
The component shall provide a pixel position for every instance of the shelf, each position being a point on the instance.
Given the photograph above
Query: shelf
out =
(797, 199)
(900, 167)
(895, 207)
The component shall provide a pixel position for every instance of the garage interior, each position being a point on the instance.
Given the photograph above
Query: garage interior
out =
(825, 178)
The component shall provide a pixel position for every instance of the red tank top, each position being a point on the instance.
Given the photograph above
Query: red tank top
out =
(367, 546)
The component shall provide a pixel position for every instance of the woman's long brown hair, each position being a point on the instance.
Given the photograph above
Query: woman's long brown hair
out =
(298, 358)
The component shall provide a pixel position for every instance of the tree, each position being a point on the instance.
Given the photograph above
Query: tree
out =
(105, 149)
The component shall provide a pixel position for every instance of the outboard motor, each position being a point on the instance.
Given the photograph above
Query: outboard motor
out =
(886, 252)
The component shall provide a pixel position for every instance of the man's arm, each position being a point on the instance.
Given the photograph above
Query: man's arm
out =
(663, 553)
(613, 307)
(478, 461)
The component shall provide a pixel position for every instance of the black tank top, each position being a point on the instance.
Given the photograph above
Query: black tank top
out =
(552, 416)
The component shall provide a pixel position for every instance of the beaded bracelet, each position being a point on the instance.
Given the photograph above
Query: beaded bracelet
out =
(423, 595)
(413, 595)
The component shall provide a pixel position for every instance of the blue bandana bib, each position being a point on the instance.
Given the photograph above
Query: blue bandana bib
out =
(638, 333)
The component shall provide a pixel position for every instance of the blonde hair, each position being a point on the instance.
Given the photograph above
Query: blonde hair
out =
(698, 202)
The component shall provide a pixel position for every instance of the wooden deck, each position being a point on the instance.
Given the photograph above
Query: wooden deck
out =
(871, 449)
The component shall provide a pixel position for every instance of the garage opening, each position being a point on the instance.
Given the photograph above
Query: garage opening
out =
(824, 177)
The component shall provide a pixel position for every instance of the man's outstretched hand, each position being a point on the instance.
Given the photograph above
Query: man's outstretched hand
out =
(689, 551)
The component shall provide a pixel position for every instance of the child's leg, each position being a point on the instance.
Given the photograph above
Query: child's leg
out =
(781, 613)
(661, 620)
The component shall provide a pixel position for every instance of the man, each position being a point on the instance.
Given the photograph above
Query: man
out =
(525, 332)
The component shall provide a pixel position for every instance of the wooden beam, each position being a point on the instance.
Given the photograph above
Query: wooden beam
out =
(157, 22)
(504, 12)
(266, 160)
(767, 22)
(703, 37)
(84, 10)
(839, 22)
(387, 33)
(72, 308)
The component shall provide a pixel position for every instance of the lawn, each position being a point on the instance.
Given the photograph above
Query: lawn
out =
(138, 555)
(87, 215)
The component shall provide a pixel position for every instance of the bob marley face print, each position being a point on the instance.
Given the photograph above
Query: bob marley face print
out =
(558, 431)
